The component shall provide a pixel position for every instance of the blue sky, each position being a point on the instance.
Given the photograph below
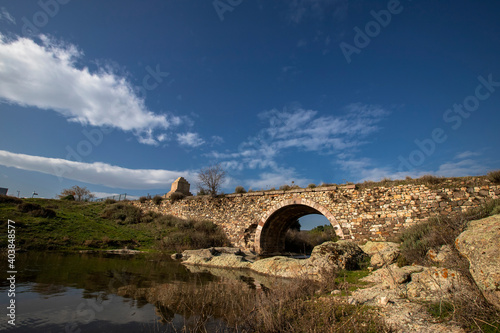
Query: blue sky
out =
(126, 96)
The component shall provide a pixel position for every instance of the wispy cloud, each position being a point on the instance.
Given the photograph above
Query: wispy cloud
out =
(364, 169)
(95, 173)
(6, 16)
(299, 10)
(47, 76)
(299, 129)
(467, 154)
(190, 139)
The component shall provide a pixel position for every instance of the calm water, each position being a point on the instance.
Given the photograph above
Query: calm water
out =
(104, 293)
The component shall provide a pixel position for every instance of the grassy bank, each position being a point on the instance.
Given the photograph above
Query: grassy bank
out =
(49, 224)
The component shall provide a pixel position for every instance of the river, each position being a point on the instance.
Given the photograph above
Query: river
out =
(81, 292)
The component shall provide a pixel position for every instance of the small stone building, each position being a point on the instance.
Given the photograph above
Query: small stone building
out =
(181, 186)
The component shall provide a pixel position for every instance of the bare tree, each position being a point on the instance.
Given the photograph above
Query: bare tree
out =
(80, 193)
(211, 178)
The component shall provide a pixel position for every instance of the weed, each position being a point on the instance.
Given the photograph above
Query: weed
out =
(494, 176)
(157, 200)
(176, 196)
(239, 189)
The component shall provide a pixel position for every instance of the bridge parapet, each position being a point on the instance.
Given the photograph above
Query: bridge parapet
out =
(378, 213)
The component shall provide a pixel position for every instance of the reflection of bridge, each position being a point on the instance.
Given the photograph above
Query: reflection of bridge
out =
(259, 220)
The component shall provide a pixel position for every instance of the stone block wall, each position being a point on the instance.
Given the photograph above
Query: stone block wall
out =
(377, 213)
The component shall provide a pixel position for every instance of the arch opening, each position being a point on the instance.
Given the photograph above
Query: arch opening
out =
(272, 229)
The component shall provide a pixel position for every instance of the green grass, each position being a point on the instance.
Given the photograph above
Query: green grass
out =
(97, 225)
(77, 225)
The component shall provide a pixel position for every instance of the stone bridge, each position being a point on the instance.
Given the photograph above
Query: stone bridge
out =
(259, 220)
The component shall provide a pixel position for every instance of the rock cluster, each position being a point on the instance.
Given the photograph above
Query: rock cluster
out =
(480, 244)
(327, 257)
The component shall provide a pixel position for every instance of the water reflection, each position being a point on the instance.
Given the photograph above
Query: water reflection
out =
(95, 293)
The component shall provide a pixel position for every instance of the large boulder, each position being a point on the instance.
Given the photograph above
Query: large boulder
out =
(337, 255)
(382, 253)
(480, 244)
(437, 283)
(390, 277)
(282, 266)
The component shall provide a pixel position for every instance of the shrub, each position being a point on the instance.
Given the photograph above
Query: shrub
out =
(191, 234)
(122, 213)
(143, 199)
(311, 186)
(109, 201)
(157, 200)
(27, 207)
(285, 187)
(36, 210)
(439, 230)
(431, 180)
(239, 189)
(202, 192)
(494, 176)
(9, 199)
(176, 196)
(69, 197)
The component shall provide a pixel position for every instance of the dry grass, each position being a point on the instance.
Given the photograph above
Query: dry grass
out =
(283, 306)
(471, 311)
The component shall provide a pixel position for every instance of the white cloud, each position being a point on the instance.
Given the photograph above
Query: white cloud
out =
(467, 154)
(190, 139)
(6, 16)
(364, 170)
(95, 173)
(304, 130)
(282, 176)
(46, 76)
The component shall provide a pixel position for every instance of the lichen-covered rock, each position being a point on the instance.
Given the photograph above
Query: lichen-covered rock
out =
(382, 253)
(442, 255)
(392, 276)
(437, 283)
(337, 255)
(281, 266)
(480, 244)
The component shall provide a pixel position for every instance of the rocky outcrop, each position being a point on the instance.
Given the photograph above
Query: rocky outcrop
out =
(444, 254)
(382, 253)
(480, 244)
(324, 258)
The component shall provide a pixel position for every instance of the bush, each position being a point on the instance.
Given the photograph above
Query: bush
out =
(176, 196)
(191, 234)
(494, 176)
(109, 201)
(239, 189)
(304, 241)
(311, 186)
(10, 200)
(202, 192)
(122, 213)
(143, 199)
(285, 187)
(69, 197)
(439, 230)
(36, 210)
(157, 200)
(431, 180)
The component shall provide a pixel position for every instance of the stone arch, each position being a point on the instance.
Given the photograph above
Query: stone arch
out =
(270, 234)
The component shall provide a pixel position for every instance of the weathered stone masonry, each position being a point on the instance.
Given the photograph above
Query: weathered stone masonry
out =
(259, 220)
